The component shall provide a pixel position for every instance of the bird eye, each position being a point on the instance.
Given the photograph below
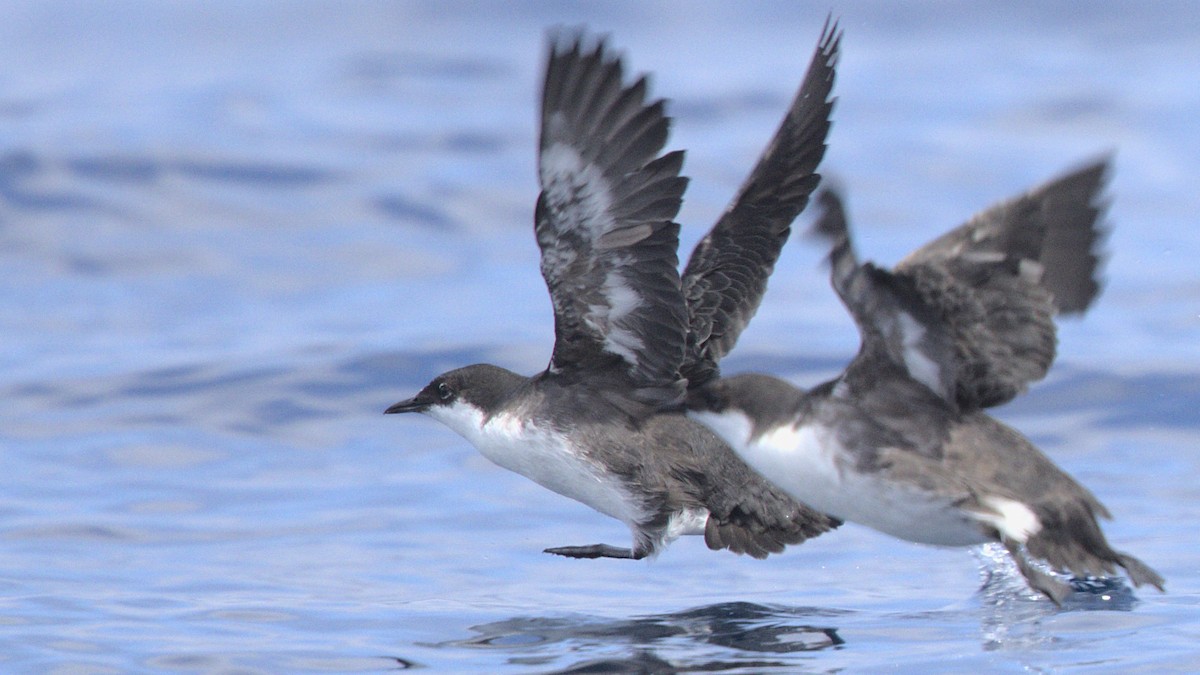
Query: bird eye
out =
(444, 391)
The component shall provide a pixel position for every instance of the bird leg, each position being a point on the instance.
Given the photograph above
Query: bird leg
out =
(1047, 584)
(596, 551)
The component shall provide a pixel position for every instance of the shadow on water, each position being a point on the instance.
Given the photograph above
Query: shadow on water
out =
(743, 635)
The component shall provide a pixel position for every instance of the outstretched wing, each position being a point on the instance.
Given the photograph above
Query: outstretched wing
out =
(1075, 231)
(1068, 212)
(604, 223)
(726, 275)
(997, 281)
(899, 330)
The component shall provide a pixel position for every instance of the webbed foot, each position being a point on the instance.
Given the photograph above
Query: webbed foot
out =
(1047, 584)
(596, 551)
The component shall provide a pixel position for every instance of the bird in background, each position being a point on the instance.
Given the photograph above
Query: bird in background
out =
(604, 423)
(900, 441)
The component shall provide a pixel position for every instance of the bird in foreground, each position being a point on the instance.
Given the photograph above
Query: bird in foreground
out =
(900, 441)
(604, 424)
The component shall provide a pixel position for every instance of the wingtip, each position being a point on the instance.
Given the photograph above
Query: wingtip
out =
(1076, 251)
(831, 37)
(610, 199)
(563, 39)
(830, 224)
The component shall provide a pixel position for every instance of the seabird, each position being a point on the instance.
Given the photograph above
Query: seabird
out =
(900, 441)
(604, 424)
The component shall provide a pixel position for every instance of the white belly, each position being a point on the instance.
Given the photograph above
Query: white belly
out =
(544, 457)
(809, 464)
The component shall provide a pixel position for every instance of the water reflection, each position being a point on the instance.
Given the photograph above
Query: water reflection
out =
(645, 661)
(740, 632)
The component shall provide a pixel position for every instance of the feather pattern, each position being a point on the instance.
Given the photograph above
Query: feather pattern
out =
(897, 328)
(604, 223)
(997, 281)
(899, 441)
(971, 314)
(726, 275)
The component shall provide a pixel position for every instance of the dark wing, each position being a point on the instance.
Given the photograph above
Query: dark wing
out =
(604, 224)
(1068, 211)
(1075, 230)
(748, 514)
(997, 281)
(726, 275)
(900, 332)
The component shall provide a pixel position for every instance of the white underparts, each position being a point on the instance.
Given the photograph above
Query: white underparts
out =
(809, 463)
(733, 426)
(543, 456)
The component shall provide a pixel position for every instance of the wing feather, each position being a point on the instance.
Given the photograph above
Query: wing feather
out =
(971, 314)
(604, 223)
(727, 273)
(998, 280)
(899, 331)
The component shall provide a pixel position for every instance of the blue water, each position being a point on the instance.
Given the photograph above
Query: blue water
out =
(231, 233)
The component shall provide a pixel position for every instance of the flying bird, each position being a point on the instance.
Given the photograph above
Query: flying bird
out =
(604, 423)
(901, 441)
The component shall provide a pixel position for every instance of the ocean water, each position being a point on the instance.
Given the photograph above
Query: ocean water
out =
(232, 233)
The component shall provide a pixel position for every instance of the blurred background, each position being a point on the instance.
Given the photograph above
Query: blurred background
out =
(231, 233)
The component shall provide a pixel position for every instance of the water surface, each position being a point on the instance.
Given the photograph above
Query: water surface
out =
(233, 232)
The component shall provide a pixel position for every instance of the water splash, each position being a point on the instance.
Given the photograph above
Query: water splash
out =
(1003, 584)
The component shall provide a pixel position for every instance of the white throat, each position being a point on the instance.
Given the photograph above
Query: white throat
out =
(542, 455)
